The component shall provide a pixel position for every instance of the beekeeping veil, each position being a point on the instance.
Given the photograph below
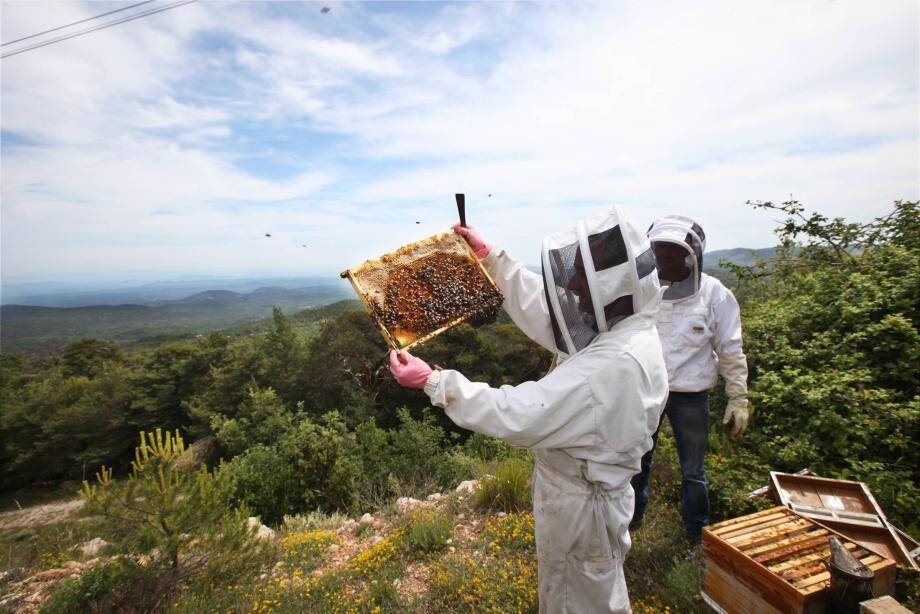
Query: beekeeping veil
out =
(595, 276)
(685, 233)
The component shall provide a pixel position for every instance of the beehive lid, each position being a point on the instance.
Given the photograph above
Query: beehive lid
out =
(785, 545)
(820, 498)
(425, 288)
(847, 507)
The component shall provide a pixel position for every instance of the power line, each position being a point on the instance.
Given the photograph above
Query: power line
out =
(75, 23)
(99, 27)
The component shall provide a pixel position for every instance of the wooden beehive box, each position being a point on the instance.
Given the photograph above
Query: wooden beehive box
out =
(772, 562)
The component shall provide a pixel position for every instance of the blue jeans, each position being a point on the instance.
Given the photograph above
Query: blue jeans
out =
(689, 416)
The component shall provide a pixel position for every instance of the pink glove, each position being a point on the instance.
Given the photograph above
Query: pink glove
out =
(472, 236)
(408, 370)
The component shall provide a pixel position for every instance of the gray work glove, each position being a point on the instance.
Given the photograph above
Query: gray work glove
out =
(734, 371)
(737, 410)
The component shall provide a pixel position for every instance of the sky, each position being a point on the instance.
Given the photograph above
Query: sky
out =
(170, 145)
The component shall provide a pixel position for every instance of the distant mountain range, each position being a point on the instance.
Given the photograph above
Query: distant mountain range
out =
(739, 255)
(81, 294)
(157, 312)
(36, 329)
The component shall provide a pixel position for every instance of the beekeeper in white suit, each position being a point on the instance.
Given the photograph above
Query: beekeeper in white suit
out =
(700, 326)
(591, 419)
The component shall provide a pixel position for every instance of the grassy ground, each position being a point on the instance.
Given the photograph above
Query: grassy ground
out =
(46, 546)
(457, 558)
(659, 577)
(463, 554)
(469, 554)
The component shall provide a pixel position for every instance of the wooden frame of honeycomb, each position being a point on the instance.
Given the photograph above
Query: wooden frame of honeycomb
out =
(425, 288)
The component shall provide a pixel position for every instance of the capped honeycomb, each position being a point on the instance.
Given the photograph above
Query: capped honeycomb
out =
(425, 288)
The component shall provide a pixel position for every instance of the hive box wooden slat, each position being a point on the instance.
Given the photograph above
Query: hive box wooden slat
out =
(771, 562)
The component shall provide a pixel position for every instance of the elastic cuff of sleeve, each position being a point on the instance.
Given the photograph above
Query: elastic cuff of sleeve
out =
(431, 385)
(490, 256)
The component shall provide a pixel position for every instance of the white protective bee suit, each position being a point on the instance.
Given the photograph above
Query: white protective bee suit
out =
(590, 420)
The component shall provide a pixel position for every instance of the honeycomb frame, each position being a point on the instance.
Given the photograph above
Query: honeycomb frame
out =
(371, 278)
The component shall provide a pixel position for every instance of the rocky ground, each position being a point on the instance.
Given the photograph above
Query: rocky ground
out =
(48, 513)
(24, 592)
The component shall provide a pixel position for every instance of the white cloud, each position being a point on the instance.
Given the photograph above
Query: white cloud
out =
(166, 112)
(145, 131)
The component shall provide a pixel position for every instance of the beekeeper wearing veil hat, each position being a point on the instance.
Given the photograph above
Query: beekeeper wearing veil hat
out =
(588, 421)
(700, 326)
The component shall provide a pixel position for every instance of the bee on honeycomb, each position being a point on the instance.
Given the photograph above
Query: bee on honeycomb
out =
(430, 293)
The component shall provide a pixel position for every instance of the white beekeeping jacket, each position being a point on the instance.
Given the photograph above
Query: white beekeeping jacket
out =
(594, 306)
(699, 320)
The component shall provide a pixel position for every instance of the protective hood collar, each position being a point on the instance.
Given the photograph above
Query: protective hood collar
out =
(596, 275)
(682, 231)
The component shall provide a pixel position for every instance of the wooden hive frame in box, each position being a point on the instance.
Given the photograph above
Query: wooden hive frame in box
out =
(773, 561)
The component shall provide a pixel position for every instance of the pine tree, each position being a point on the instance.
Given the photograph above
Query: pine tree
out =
(180, 514)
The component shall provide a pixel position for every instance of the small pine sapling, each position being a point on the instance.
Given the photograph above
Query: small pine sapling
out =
(181, 514)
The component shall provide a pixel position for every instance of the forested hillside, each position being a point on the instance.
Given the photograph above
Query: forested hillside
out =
(307, 416)
(153, 315)
(41, 330)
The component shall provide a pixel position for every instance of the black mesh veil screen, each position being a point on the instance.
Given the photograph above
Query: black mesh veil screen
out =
(557, 332)
(608, 248)
(570, 286)
(697, 248)
(645, 263)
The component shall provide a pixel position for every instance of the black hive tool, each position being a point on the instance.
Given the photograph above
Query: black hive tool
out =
(461, 208)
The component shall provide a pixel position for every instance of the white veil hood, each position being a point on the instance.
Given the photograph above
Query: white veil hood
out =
(596, 275)
(686, 233)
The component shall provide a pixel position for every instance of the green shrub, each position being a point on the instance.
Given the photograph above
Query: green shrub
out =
(319, 454)
(455, 467)
(115, 585)
(260, 419)
(412, 460)
(487, 448)
(427, 530)
(264, 482)
(507, 487)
